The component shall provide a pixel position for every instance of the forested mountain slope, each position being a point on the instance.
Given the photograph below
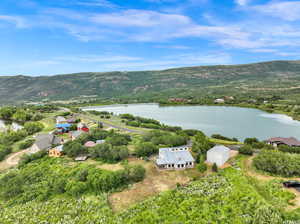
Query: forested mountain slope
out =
(231, 79)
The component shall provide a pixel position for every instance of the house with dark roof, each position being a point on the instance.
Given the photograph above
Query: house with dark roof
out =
(292, 142)
(175, 158)
(45, 142)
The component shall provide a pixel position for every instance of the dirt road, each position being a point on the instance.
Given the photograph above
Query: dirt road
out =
(12, 160)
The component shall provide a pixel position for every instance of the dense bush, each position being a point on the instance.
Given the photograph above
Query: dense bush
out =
(108, 153)
(165, 138)
(221, 137)
(246, 150)
(26, 144)
(145, 149)
(49, 177)
(289, 149)
(201, 144)
(192, 132)
(74, 148)
(33, 127)
(4, 151)
(278, 163)
(250, 141)
(27, 158)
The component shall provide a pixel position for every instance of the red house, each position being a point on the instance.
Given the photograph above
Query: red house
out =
(82, 127)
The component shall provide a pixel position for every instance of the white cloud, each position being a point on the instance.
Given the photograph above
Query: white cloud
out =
(18, 21)
(140, 18)
(242, 2)
(286, 10)
(95, 3)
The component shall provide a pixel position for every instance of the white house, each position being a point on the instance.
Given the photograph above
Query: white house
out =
(219, 101)
(60, 120)
(218, 154)
(175, 158)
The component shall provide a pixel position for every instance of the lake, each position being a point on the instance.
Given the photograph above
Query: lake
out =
(228, 121)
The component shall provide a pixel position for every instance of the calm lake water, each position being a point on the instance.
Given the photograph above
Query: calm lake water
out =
(227, 121)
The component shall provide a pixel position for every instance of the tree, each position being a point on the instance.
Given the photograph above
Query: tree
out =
(145, 149)
(214, 168)
(202, 167)
(246, 150)
(33, 127)
(6, 113)
(250, 141)
(73, 149)
(201, 144)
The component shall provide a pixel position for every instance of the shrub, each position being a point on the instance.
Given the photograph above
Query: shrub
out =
(250, 141)
(278, 163)
(145, 149)
(221, 137)
(33, 127)
(214, 168)
(246, 150)
(202, 167)
(27, 158)
(289, 149)
(26, 144)
(4, 151)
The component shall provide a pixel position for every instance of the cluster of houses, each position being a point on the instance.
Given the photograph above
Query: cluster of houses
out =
(63, 125)
(168, 158)
(181, 157)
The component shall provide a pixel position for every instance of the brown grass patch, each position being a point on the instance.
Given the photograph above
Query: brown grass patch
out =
(155, 182)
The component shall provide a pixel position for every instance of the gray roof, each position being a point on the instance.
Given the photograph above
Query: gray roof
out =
(60, 148)
(60, 119)
(81, 158)
(45, 141)
(174, 156)
(219, 149)
(76, 134)
(100, 141)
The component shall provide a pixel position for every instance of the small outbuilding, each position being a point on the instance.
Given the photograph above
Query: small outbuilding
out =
(218, 154)
(60, 120)
(57, 151)
(90, 144)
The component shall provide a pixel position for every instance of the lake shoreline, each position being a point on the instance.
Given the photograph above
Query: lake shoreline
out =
(250, 106)
(228, 120)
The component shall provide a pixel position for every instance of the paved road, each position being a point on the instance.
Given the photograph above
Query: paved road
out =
(112, 126)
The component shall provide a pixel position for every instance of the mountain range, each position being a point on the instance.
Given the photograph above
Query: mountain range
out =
(274, 77)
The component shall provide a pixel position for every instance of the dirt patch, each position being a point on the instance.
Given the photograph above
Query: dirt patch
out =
(252, 173)
(12, 160)
(155, 182)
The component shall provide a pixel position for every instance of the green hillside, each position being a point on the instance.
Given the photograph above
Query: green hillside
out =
(278, 77)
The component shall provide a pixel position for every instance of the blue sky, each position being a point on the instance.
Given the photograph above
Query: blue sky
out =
(43, 37)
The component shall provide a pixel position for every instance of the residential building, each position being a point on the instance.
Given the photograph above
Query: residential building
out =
(82, 127)
(218, 154)
(75, 134)
(45, 142)
(175, 158)
(293, 142)
(60, 120)
(219, 101)
(57, 151)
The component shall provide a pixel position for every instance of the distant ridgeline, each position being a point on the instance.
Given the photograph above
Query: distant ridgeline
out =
(281, 78)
